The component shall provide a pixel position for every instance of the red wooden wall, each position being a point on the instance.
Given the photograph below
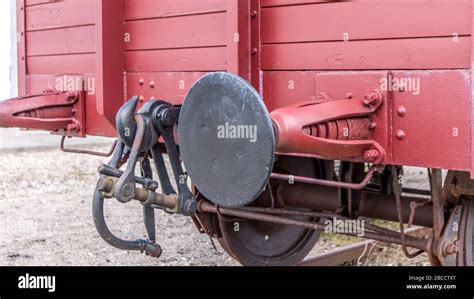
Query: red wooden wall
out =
(291, 50)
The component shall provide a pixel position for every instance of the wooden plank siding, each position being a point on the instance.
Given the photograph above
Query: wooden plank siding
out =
(295, 35)
(173, 43)
(356, 35)
(60, 37)
(175, 36)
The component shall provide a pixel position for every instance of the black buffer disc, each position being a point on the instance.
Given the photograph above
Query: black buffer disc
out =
(226, 140)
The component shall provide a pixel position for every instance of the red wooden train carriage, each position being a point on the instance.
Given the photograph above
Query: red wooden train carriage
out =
(352, 92)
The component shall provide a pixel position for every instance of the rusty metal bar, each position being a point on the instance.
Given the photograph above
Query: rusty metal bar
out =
(287, 212)
(436, 181)
(372, 204)
(397, 190)
(416, 191)
(86, 152)
(351, 252)
(274, 211)
(148, 183)
(206, 207)
(339, 255)
(383, 206)
(328, 183)
(106, 186)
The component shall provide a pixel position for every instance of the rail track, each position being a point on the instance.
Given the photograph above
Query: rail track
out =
(353, 253)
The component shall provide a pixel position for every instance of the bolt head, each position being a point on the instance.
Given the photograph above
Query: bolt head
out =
(72, 96)
(450, 249)
(370, 100)
(127, 190)
(191, 205)
(367, 100)
(105, 185)
(72, 127)
(371, 155)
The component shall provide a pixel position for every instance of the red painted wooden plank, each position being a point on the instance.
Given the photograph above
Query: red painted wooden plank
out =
(38, 83)
(170, 86)
(66, 13)
(472, 93)
(37, 2)
(423, 53)
(197, 59)
(61, 41)
(21, 46)
(271, 3)
(233, 37)
(282, 89)
(61, 64)
(146, 9)
(189, 31)
(355, 21)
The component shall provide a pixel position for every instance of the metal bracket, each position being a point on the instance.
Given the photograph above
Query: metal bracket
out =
(446, 248)
(59, 112)
(291, 138)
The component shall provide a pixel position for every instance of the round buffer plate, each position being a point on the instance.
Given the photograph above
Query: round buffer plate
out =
(226, 140)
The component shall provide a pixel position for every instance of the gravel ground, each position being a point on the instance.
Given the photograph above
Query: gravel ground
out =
(45, 220)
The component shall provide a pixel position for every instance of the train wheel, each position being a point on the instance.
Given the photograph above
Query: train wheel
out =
(466, 234)
(255, 243)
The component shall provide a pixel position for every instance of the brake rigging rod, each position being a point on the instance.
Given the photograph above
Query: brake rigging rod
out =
(116, 173)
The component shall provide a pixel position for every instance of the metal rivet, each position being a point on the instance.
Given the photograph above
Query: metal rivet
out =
(141, 81)
(402, 111)
(400, 135)
(152, 84)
